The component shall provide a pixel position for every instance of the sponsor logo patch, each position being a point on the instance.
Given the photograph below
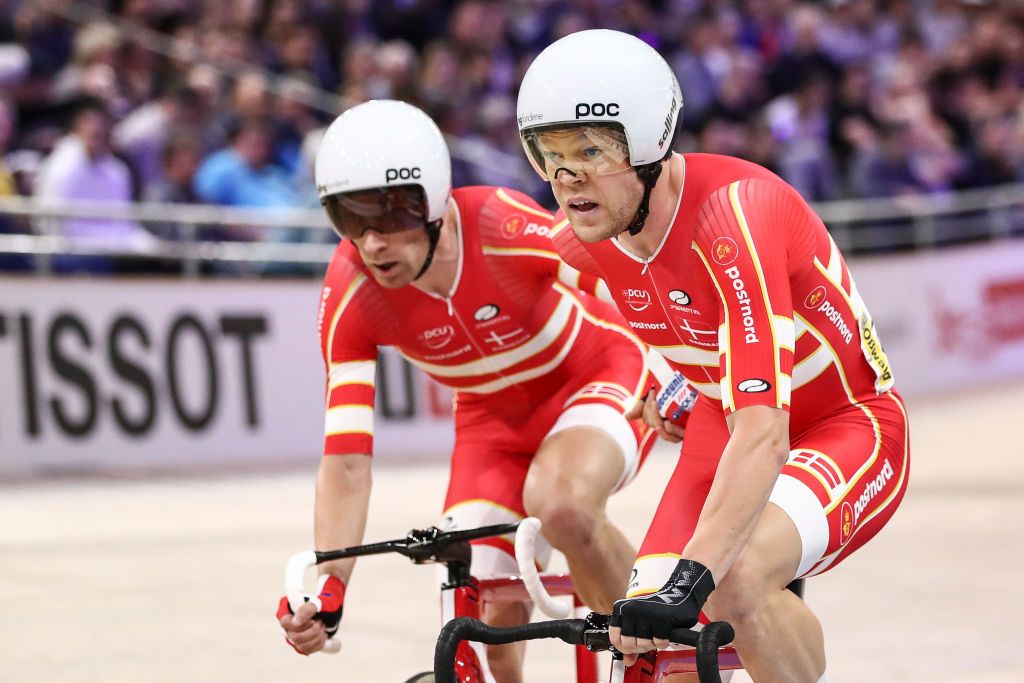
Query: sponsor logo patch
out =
(438, 337)
(875, 354)
(845, 523)
(753, 386)
(872, 489)
(486, 312)
(724, 251)
(637, 299)
(585, 109)
(647, 326)
(815, 298)
(668, 123)
(679, 297)
(513, 225)
(393, 174)
(746, 311)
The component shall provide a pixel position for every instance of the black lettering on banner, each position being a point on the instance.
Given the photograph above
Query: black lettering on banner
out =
(28, 375)
(132, 373)
(204, 416)
(66, 368)
(246, 328)
(385, 393)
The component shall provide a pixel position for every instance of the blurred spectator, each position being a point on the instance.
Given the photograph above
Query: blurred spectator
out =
(881, 165)
(179, 161)
(82, 167)
(142, 134)
(803, 58)
(841, 97)
(93, 70)
(9, 188)
(243, 173)
(990, 162)
(800, 125)
(700, 67)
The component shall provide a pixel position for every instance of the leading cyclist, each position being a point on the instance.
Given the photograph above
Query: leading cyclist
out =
(467, 286)
(796, 452)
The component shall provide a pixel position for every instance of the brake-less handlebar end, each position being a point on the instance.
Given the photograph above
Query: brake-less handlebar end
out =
(526, 541)
(294, 574)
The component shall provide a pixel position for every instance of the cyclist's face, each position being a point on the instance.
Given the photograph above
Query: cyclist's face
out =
(393, 258)
(598, 206)
(387, 228)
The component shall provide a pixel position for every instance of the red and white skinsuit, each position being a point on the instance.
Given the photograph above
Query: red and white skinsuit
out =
(520, 339)
(749, 298)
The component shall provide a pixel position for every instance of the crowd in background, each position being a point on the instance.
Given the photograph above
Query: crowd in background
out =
(225, 102)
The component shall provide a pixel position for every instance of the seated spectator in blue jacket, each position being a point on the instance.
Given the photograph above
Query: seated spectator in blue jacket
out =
(242, 174)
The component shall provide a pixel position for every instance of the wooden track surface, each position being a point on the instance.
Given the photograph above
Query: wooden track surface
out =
(176, 579)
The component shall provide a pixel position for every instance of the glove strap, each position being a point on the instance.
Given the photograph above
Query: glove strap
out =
(690, 578)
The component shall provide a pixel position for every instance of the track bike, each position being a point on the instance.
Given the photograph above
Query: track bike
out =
(458, 655)
(462, 595)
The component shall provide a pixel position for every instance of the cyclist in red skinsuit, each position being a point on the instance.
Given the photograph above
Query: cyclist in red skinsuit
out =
(543, 371)
(797, 450)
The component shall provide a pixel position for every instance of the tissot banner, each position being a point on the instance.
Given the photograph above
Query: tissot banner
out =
(164, 373)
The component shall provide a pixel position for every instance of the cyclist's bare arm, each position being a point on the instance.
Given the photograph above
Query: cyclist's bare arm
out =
(751, 462)
(342, 499)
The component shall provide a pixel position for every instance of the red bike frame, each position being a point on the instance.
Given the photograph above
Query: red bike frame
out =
(467, 599)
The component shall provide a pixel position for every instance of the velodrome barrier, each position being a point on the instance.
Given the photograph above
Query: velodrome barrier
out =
(165, 373)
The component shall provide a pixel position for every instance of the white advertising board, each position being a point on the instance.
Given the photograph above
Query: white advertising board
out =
(166, 374)
(950, 318)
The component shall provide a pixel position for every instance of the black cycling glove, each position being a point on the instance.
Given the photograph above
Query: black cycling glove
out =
(676, 605)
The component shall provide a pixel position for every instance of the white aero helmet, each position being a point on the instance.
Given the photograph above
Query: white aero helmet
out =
(385, 143)
(611, 91)
(607, 77)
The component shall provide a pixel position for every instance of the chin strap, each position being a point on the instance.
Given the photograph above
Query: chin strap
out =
(433, 235)
(648, 175)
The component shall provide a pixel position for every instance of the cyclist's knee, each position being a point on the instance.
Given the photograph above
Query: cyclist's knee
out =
(744, 593)
(566, 519)
(740, 595)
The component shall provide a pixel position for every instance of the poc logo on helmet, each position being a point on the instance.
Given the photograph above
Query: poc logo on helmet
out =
(596, 109)
(401, 174)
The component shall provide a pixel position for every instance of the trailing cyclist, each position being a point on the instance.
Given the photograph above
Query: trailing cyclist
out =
(467, 286)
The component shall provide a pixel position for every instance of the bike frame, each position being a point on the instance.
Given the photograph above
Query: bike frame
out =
(466, 596)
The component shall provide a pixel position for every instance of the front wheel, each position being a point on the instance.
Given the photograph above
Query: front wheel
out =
(425, 677)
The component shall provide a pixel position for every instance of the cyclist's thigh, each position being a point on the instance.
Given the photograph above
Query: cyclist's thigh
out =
(844, 480)
(626, 444)
(485, 487)
(602, 379)
(684, 496)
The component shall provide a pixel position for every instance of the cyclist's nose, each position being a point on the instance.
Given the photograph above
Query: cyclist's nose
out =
(373, 241)
(570, 178)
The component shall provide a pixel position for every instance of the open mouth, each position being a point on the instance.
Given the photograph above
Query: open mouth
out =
(582, 205)
(385, 267)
